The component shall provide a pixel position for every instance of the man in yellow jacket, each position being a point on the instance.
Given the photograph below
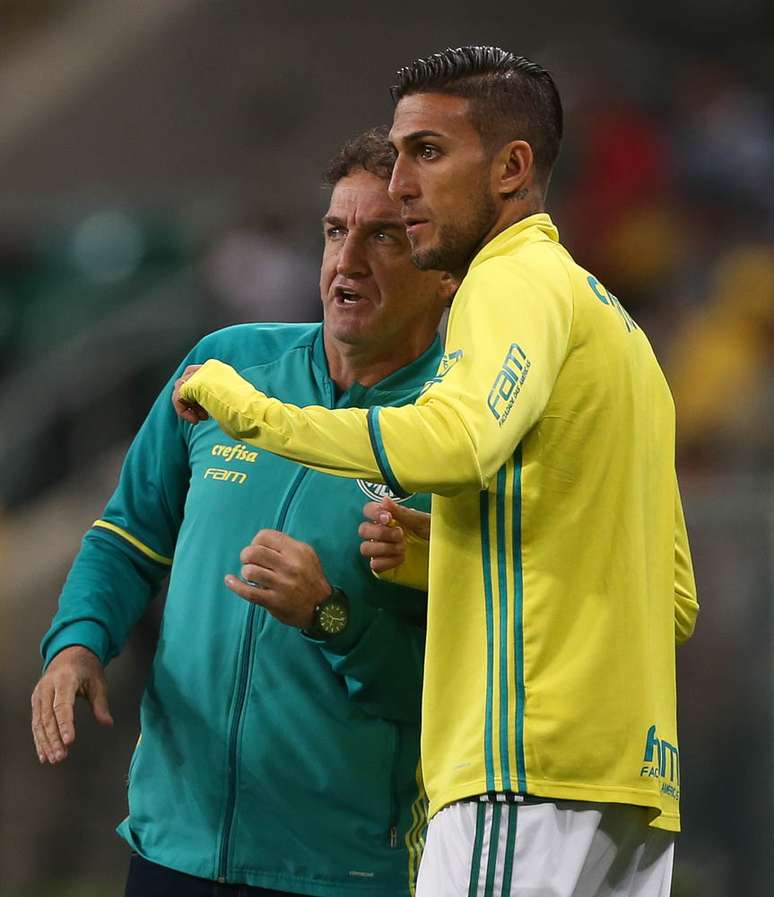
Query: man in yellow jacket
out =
(559, 571)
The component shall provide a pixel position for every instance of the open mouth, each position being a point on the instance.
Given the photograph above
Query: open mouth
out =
(344, 296)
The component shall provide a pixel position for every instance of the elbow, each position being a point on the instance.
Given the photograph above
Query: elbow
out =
(448, 474)
(445, 456)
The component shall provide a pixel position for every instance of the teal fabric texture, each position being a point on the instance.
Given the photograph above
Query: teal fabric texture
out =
(265, 757)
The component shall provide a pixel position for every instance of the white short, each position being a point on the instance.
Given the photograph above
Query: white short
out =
(544, 849)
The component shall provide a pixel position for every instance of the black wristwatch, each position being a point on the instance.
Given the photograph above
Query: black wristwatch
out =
(330, 616)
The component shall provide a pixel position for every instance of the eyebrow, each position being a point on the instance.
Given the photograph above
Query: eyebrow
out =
(420, 135)
(377, 224)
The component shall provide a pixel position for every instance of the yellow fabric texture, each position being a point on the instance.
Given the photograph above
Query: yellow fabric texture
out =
(560, 576)
(247, 414)
(413, 572)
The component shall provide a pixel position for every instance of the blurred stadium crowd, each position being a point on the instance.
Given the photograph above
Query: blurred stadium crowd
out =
(664, 190)
(668, 198)
(683, 200)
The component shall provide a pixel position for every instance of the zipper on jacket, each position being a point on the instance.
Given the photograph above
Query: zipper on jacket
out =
(239, 704)
(393, 828)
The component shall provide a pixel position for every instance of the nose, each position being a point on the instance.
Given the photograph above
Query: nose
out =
(351, 260)
(403, 185)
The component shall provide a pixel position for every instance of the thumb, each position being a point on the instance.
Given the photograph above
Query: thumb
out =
(417, 522)
(397, 512)
(99, 703)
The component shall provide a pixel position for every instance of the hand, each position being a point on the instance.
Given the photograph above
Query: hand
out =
(383, 532)
(75, 671)
(190, 411)
(292, 582)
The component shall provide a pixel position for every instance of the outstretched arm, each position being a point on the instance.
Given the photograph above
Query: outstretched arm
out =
(509, 334)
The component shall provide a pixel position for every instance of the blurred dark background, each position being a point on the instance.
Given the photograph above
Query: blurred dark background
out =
(160, 177)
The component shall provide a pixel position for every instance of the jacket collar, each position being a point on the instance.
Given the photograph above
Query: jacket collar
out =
(394, 386)
(532, 229)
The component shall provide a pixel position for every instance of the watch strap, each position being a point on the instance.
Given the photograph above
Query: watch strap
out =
(316, 631)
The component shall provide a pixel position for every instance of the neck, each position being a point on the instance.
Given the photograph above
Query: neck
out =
(512, 211)
(367, 365)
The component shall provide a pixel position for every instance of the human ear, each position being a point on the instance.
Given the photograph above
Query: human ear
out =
(514, 166)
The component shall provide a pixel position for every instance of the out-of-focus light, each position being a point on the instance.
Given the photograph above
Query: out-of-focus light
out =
(108, 246)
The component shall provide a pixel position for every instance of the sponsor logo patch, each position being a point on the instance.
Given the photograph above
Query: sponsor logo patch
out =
(237, 452)
(446, 364)
(227, 476)
(508, 383)
(661, 760)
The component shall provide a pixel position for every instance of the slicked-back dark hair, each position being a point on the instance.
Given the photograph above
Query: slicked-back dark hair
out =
(370, 151)
(511, 97)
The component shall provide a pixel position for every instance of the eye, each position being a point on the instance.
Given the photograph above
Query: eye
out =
(334, 232)
(428, 152)
(382, 236)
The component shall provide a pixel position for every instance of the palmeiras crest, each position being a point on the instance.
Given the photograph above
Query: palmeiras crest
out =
(378, 491)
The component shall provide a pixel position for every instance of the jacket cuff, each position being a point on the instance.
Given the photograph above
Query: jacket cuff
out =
(86, 633)
(361, 616)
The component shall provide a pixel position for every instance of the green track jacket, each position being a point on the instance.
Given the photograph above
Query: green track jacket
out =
(265, 757)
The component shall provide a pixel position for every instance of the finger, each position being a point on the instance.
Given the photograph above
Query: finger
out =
(416, 521)
(38, 736)
(382, 550)
(373, 510)
(55, 750)
(381, 565)
(379, 533)
(97, 695)
(400, 513)
(189, 411)
(271, 538)
(389, 512)
(250, 593)
(64, 698)
(45, 752)
(184, 410)
(42, 697)
(263, 577)
(260, 556)
(193, 414)
(190, 370)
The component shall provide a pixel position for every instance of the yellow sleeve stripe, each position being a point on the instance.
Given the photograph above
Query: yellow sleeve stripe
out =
(148, 552)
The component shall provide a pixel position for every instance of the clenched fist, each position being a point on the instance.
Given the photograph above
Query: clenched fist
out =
(287, 577)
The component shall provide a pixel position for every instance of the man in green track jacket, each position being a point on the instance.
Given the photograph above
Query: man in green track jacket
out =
(280, 734)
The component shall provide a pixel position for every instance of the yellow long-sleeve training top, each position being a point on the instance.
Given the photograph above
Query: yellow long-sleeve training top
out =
(560, 577)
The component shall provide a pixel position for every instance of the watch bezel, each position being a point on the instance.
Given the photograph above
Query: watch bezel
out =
(318, 630)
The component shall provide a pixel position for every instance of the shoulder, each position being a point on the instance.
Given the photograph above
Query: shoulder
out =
(248, 344)
(537, 271)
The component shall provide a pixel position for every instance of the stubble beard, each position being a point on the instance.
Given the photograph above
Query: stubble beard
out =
(457, 243)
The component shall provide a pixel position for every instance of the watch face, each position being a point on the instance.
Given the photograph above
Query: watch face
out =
(333, 617)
